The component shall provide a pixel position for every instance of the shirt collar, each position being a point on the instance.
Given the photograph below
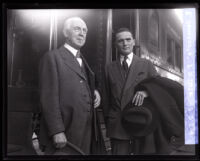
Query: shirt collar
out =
(129, 58)
(71, 49)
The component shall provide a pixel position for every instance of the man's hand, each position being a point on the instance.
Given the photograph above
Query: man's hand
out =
(97, 100)
(59, 140)
(139, 97)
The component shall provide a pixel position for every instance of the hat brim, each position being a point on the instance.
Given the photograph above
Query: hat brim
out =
(139, 121)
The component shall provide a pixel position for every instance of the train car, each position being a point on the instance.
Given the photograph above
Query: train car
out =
(32, 32)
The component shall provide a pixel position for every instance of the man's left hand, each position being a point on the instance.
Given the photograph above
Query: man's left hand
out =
(97, 100)
(138, 99)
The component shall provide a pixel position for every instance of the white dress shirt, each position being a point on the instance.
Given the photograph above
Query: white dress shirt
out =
(128, 60)
(74, 52)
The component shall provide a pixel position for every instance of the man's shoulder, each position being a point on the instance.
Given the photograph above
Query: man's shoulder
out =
(140, 59)
(112, 65)
(53, 52)
(143, 60)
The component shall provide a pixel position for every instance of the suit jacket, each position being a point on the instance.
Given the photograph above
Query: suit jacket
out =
(66, 97)
(120, 92)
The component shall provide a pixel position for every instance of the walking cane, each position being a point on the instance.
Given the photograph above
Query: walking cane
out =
(77, 149)
(73, 147)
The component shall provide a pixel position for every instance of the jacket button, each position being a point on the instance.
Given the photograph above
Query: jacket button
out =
(81, 81)
(173, 139)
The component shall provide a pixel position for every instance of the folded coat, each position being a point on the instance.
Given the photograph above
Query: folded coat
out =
(168, 99)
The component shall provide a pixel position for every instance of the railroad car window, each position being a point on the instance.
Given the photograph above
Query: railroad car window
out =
(170, 51)
(178, 57)
(154, 30)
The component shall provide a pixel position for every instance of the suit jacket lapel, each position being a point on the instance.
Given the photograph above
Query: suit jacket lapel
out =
(71, 61)
(119, 72)
(87, 66)
(132, 75)
(117, 76)
(133, 72)
(91, 76)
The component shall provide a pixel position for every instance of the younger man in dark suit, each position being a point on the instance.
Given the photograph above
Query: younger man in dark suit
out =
(122, 77)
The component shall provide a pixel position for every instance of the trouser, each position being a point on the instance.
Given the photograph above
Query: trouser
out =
(122, 147)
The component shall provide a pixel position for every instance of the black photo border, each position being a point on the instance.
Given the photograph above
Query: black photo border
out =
(87, 5)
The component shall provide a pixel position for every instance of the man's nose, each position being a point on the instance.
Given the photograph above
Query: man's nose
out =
(82, 33)
(125, 42)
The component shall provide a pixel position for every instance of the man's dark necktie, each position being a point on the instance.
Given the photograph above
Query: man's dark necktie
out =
(83, 70)
(78, 56)
(125, 65)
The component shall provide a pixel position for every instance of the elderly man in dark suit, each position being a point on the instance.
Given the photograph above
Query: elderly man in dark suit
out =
(122, 77)
(67, 94)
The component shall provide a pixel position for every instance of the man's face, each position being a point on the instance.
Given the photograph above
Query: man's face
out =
(125, 42)
(76, 35)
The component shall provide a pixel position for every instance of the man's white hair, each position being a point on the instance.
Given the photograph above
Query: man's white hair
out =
(69, 21)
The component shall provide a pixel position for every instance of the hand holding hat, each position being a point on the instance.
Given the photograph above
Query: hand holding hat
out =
(138, 98)
(139, 121)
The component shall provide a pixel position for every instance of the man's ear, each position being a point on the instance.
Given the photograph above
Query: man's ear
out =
(65, 33)
(115, 43)
(133, 42)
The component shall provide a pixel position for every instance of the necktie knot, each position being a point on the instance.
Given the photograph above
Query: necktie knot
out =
(124, 63)
(78, 54)
(125, 57)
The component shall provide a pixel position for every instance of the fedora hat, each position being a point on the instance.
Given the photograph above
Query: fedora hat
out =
(139, 121)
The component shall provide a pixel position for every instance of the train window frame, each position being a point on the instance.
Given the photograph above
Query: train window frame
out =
(153, 47)
(178, 62)
(173, 64)
(170, 57)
